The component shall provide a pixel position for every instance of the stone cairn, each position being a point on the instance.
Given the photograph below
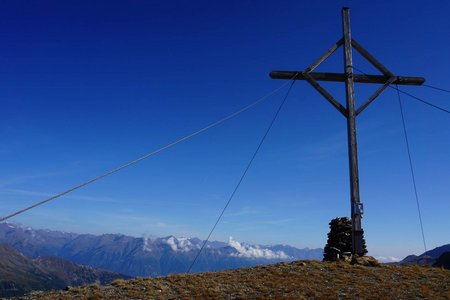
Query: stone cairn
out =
(339, 244)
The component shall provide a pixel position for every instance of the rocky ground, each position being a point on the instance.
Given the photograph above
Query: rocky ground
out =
(296, 280)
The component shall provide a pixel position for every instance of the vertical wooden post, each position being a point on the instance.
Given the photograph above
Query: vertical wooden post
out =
(356, 206)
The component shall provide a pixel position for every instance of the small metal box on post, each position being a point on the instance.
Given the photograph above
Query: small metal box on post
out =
(350, 112)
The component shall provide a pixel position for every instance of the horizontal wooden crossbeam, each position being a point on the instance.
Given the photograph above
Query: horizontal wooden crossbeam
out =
(340, 77)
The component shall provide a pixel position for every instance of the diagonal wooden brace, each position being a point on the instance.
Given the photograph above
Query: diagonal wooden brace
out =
(376, 94)
(324, 93)
(325, 56)
(371, 59)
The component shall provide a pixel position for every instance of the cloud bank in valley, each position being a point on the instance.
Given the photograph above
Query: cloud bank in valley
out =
(249, 251)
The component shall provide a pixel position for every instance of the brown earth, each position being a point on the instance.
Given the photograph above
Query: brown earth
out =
(295, 280)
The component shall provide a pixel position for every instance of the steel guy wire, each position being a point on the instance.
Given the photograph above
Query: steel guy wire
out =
(243, 175)
(411, 168)
(133, 162)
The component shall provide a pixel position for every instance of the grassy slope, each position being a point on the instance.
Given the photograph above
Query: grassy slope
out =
(296, 280)
(20, 274)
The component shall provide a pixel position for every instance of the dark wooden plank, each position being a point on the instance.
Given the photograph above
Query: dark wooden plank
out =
(375, 95)
(340, 77)
(325, 56)
(327, 95)
(356, 214)
(371, 59)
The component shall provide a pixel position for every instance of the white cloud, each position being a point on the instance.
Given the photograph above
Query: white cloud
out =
(245, 211)
(28, 177)
(387, 259)
(146, 246)
(20, 192)
(180, 244)
(245, 250)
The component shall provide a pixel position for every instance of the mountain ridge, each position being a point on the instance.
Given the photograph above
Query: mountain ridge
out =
(146, 256)
(20, 274)
(427, 258)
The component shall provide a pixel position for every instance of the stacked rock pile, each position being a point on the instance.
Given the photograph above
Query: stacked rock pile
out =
(339, 244)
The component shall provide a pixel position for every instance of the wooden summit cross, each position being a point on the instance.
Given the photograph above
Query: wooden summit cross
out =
(349, 112)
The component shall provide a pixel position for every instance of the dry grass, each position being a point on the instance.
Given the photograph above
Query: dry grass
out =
(296, 280)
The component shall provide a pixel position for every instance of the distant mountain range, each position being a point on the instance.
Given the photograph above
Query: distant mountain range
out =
(146, 256)
(43, 259)
(20, 274)
(443, 261)
(439, 257)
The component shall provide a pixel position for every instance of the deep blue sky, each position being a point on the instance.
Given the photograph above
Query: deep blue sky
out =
(89, 85)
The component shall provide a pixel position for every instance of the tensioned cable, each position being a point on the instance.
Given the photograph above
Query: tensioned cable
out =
(243, 175)
(421, 100)
(436, 88)
(412, 169)
(409, 151)
(412, 96)
(177, 141)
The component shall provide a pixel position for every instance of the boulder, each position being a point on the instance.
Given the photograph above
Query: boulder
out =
(368, 261)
